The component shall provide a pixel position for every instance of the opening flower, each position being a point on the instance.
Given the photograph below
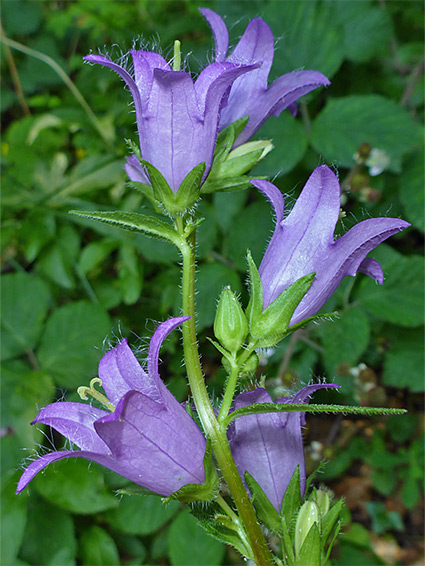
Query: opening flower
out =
(250, 95)
(270, 446)
(303, 243)
(149, 438)
(177, 118)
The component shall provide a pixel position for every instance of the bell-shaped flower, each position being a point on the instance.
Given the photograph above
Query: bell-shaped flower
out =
(149, 438)
(303, 243)
(177, 118)
(269, 446)
(250, 95)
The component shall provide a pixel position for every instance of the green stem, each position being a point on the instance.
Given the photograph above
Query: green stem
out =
(213, 430)
(229, 392)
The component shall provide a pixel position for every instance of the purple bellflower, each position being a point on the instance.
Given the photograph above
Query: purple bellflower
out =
(149, 438)
(303, 243)
(250, 95)
(270, 446)
(177, 118)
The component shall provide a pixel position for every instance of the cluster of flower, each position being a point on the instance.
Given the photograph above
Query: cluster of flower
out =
(144, 433)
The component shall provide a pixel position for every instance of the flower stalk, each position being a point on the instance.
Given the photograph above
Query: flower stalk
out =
(212, 427)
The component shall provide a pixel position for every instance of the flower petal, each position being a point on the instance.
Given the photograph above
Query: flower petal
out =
(159, 449)
(219, 30)
(157, 339)
(135, 171)
(127, 78)
(300, 239)
(259, 105)
(120, 372)
(75, 421)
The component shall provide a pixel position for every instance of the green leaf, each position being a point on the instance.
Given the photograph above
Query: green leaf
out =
(57, 261)
(290, 144)
(98, 547)
(22, 391)
(39, 546)
(24, 303)
(71, 343)
(141, 515)
(404, 360)
(13, 520)
(411, 191)
(203, 550)
(344, 339)
(134, 222)
(188, 192)
(273, 322)
(313, 37)
(250, 231)
(400, 300)
(265, 510)
(227, 206)
(347, 122)
(94, 254)
(130, 274)
(367, 29)
(161, 189)
(75, 485)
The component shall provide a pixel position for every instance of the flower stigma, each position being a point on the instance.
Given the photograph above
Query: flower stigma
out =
(83, 391)
(177, 59)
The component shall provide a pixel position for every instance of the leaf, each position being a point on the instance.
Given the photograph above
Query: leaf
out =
(141, 515)
(312, 37)
(290, 144)
(39, 546)
(367, 29)
(13, 520)
(25, 301)
(211, 278)
(203, 550)
(72, 341)
(344, 339)
(130, 274)
(227, 206)
(291, 501)
(22, 391)
(310, 552)
(400, 300)
(404, 360)
(76, 485)
(134, 222)
(411, 191)
(98, 547)
(347, 122)
(250, 231)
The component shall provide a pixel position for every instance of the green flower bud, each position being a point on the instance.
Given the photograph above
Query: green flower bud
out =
(251, 364)
(230, 324)
(307, 516)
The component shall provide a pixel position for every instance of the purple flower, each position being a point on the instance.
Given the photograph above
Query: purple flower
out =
(270, 446)
(303, 243)
(177, 118)
(149, 438)
(250, 95)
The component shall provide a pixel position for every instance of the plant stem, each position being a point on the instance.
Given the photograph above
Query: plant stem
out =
(232, 381)
(213, 430)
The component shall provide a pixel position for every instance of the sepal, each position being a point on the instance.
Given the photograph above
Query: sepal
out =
(265, 510)
(187, 194)
(135, 222)
(255, 305)
(200, 492)
(272, 324)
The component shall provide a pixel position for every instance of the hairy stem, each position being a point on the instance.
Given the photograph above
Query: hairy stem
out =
(214, 431)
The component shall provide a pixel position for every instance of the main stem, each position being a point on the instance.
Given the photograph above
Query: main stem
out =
(214, 431)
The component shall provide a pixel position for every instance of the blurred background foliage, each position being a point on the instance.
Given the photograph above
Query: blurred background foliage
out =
(69, 286)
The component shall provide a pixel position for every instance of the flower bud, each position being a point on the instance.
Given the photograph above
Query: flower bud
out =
(230, 324)
(307, 516)
(323, 501)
